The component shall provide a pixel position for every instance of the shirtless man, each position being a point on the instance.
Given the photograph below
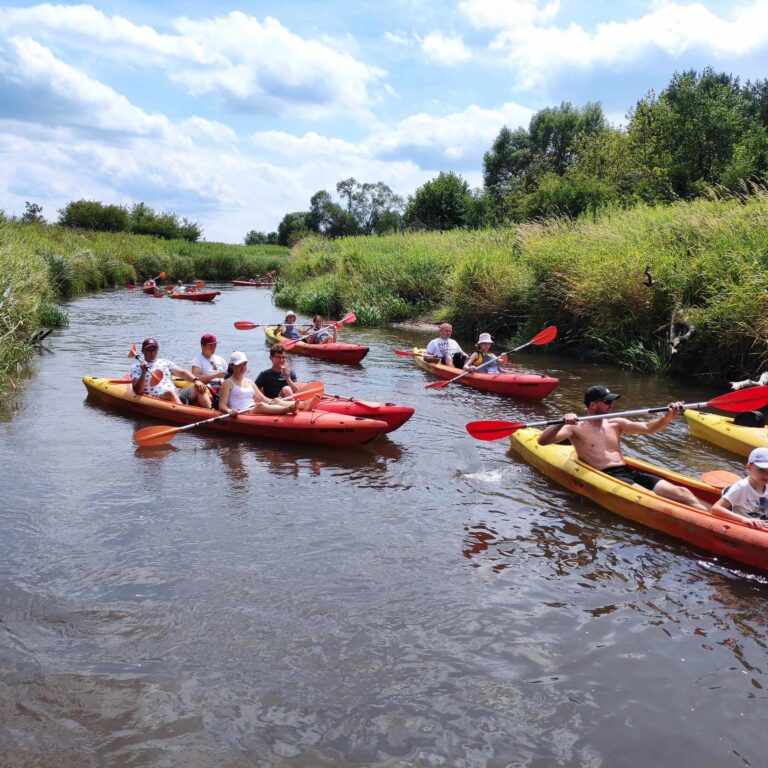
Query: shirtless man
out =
(598, 443)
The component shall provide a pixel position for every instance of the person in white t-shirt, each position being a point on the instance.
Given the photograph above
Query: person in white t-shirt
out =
(211, 369)
(144, 368)
(747, 500)
(444, 349)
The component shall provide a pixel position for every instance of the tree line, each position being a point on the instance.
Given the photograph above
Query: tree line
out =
(704, 132)
(138, 219)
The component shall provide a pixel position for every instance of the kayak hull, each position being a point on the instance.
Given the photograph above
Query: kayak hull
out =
(351, 354)
(721, 431)
(305, 426)
(393, 415)
(253, 284)
(150, 289)
(196, 295)
(732, 539)
(529, 386)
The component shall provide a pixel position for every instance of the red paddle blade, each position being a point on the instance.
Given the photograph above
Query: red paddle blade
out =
(545, 336)
(153, 436)
(442, 384)
(493, 430)
(350, 317)
(742, 400)
(720, 478)
(200, 284)
(404, 353)
(245, 325)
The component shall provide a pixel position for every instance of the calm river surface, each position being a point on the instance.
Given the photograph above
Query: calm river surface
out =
(426, 600)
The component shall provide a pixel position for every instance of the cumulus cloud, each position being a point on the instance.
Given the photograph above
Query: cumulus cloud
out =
(535, 47)
(253, 66)
(458, 139)
(448, 51)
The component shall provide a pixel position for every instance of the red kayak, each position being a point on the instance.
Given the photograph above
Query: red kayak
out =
(530, 386)
(333, 353)
(196, 295)
(149, 287)
(254, 283)
(393, 415)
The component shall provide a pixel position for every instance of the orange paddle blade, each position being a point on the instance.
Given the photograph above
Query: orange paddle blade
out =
(162, 274)
(720, 478)
(307, 392)
(132, 351)
(442, 384)
(153, 436)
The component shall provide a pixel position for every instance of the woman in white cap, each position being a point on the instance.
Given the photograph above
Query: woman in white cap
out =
(238, 393)
(484, 357)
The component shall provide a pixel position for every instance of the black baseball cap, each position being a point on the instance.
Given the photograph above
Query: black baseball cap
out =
(599, 392)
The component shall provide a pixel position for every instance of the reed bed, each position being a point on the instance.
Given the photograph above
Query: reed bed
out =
(707, 260)
(42, 265)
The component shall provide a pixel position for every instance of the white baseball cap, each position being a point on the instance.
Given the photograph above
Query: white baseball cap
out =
(237, 357)
(759, 457)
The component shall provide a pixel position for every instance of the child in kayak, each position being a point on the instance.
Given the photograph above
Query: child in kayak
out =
(747, 500)
(483, 358)
(289, 329)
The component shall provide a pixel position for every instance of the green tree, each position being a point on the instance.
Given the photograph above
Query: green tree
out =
(93, 215)
(256, 238)
(374, 206)
(33, 214)
(293, 227)
(442, 203)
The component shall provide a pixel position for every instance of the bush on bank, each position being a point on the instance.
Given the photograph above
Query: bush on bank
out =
(40, 265)
(707, 261)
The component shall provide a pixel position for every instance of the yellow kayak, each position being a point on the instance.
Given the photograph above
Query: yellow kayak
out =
(733, 539)
(721, 431)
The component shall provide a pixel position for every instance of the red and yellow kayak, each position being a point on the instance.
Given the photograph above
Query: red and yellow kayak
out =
(323, 427)
(733, 539)
(333, 353)
(531, 386)
(196, 295)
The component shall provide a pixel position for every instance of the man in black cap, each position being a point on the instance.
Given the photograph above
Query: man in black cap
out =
(598, 443)
(144, 383)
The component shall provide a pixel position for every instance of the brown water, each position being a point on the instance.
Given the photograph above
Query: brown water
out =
(427, 600)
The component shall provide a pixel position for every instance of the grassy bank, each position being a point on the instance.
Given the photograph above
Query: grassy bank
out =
(40, 265)
(708, 262)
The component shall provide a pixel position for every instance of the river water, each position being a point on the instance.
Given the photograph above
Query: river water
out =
(425, 600)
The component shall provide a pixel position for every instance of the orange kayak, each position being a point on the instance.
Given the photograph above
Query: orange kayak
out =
(305, 426)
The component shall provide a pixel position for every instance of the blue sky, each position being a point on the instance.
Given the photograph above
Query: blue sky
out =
(233, 114)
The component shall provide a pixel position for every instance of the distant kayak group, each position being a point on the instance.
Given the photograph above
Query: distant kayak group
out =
(720, 513)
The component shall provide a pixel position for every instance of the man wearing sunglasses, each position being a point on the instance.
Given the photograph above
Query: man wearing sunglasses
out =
(598, 443)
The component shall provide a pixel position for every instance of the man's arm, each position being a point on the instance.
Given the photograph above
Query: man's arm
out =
(559, 432)
(628, 427)
(185, 375)
(138, 384)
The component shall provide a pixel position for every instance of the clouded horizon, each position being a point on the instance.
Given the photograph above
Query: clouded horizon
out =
(233, 115)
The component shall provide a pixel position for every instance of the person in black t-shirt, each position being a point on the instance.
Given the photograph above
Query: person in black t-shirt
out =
(279, 380)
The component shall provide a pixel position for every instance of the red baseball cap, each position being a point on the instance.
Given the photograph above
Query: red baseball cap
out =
(208, 338)
(149, 343)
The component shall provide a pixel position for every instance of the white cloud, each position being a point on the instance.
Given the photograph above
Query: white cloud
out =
(536, 49)
(198, 127)
(448, 51)
(251, 65)
(460, 138)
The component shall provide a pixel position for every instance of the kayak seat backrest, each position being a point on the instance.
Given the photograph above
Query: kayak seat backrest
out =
(754, 419)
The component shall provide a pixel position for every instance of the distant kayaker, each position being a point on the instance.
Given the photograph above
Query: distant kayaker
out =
(238, 392)
(289, 329)
(598, 443)
(444, 349)
(165, 389)
(210, 368)
(747, 499)
(179, 287)
(319, 334)
(482, 356)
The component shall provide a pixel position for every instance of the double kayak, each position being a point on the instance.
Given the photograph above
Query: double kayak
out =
(729, 538)
(316, 426)
(196, 295)
(393, 415)
(530, 386)
(254, 283)
(724, 433)
(335, 352)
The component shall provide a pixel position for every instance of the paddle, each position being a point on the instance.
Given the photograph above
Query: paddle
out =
(741, 400)
(245, 325)
(350, 317)
(157, 374)
(542, 337)
(408, 353)
(720, 478)
(154, 436)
